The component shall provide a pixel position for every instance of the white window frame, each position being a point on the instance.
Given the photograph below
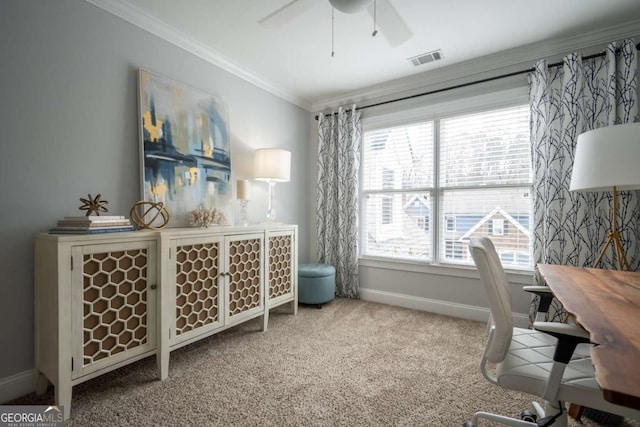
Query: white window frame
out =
(464, 102)
(497, 231)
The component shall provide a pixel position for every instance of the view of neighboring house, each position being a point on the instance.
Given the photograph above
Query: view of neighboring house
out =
(509, 232)
(510, 235)
(482, 191)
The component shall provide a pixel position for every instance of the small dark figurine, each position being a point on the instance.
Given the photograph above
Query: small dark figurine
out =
(93, 205)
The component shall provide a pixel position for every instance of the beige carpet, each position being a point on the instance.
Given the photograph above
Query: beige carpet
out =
(352, 363)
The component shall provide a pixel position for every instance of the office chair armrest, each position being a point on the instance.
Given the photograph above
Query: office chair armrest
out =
(545, 294)
(569, 336)
(535, 289)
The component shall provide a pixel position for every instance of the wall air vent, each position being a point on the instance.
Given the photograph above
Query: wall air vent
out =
(425, 58)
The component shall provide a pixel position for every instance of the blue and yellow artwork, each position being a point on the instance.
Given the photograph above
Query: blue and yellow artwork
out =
(185, 148)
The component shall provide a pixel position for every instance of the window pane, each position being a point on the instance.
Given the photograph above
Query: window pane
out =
(497, 227)
(484, 187)
(398, 158)
(502, 214)
(486, 148)
(398, 225)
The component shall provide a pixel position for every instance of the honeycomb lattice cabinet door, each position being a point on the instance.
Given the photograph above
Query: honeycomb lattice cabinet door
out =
(115, 303)
(244, 275)
(196, 286)
(280, 265)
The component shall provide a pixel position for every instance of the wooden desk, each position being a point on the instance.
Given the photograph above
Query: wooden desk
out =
(607, 304)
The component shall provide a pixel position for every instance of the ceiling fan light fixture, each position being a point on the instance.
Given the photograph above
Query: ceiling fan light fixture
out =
(350, 6)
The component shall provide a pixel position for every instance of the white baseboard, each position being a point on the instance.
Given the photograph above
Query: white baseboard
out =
(16, 385)
(469, 312)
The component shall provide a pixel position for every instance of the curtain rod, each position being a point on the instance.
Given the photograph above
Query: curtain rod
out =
(488, 79)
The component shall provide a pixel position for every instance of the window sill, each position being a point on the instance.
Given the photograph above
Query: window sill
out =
(520, 277)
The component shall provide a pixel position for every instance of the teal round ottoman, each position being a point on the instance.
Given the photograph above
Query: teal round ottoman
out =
(316, 283)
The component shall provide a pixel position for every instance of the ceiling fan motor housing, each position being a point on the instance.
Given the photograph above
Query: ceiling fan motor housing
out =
(350, 6)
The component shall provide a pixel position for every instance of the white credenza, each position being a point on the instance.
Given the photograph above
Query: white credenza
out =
(106, 300)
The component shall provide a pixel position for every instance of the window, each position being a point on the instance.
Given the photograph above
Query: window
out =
(398, 184)
(450, 223)
(388, 176)
(473, 169)
(497, 227)
(454, 249)
(515, 257)
(387, 210)
(423, 222)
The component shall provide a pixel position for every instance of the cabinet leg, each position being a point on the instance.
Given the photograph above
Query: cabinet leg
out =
(265, 319)
(63, 397)
(41, 383)
(294, 307)
(162, 363)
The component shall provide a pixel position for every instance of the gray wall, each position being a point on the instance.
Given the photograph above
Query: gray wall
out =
(68, 85)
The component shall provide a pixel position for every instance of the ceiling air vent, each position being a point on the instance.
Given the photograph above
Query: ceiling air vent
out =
(425, 58)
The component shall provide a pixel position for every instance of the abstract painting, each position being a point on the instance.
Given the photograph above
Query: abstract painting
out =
(185, 148)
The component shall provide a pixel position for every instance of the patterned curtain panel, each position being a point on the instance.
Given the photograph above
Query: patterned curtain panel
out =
(581, 95)
(337, 197)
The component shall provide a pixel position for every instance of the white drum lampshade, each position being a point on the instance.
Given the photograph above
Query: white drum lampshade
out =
(607, 157)
(272, 165)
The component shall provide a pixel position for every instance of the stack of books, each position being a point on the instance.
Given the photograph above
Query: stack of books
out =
(92, 224)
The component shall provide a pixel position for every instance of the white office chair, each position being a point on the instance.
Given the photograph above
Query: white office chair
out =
(541, 362)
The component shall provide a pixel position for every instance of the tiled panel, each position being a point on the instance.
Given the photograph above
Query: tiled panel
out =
(244, 275)
(196, 286)
(280, 253)
(114, 303)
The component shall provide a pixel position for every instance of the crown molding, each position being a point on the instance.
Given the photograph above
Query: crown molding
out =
(510, 60)
(130, 13)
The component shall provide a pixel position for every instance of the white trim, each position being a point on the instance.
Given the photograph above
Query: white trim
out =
(507, 61)
(447, 106)
(130, 13)
(462, 311)
(17, 385)
(516, 277)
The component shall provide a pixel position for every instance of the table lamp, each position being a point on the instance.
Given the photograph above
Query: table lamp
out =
(608, 158)
(272, 165)
(243, 193)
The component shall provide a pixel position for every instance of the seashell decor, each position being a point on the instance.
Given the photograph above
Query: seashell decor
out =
(206, 217)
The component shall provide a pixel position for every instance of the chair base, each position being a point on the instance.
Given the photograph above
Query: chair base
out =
(527, 419)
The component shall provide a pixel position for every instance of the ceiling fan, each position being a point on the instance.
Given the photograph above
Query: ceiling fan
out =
(385, 16)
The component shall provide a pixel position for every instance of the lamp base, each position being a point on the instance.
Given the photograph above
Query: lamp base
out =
(271, 211)
(613, 237)
(243, 213)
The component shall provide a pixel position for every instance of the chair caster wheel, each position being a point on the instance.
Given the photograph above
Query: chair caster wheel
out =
(528, 416)
(468, 424)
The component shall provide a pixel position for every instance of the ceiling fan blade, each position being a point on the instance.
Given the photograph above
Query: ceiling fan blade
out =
(390, 23)
(286, 13)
